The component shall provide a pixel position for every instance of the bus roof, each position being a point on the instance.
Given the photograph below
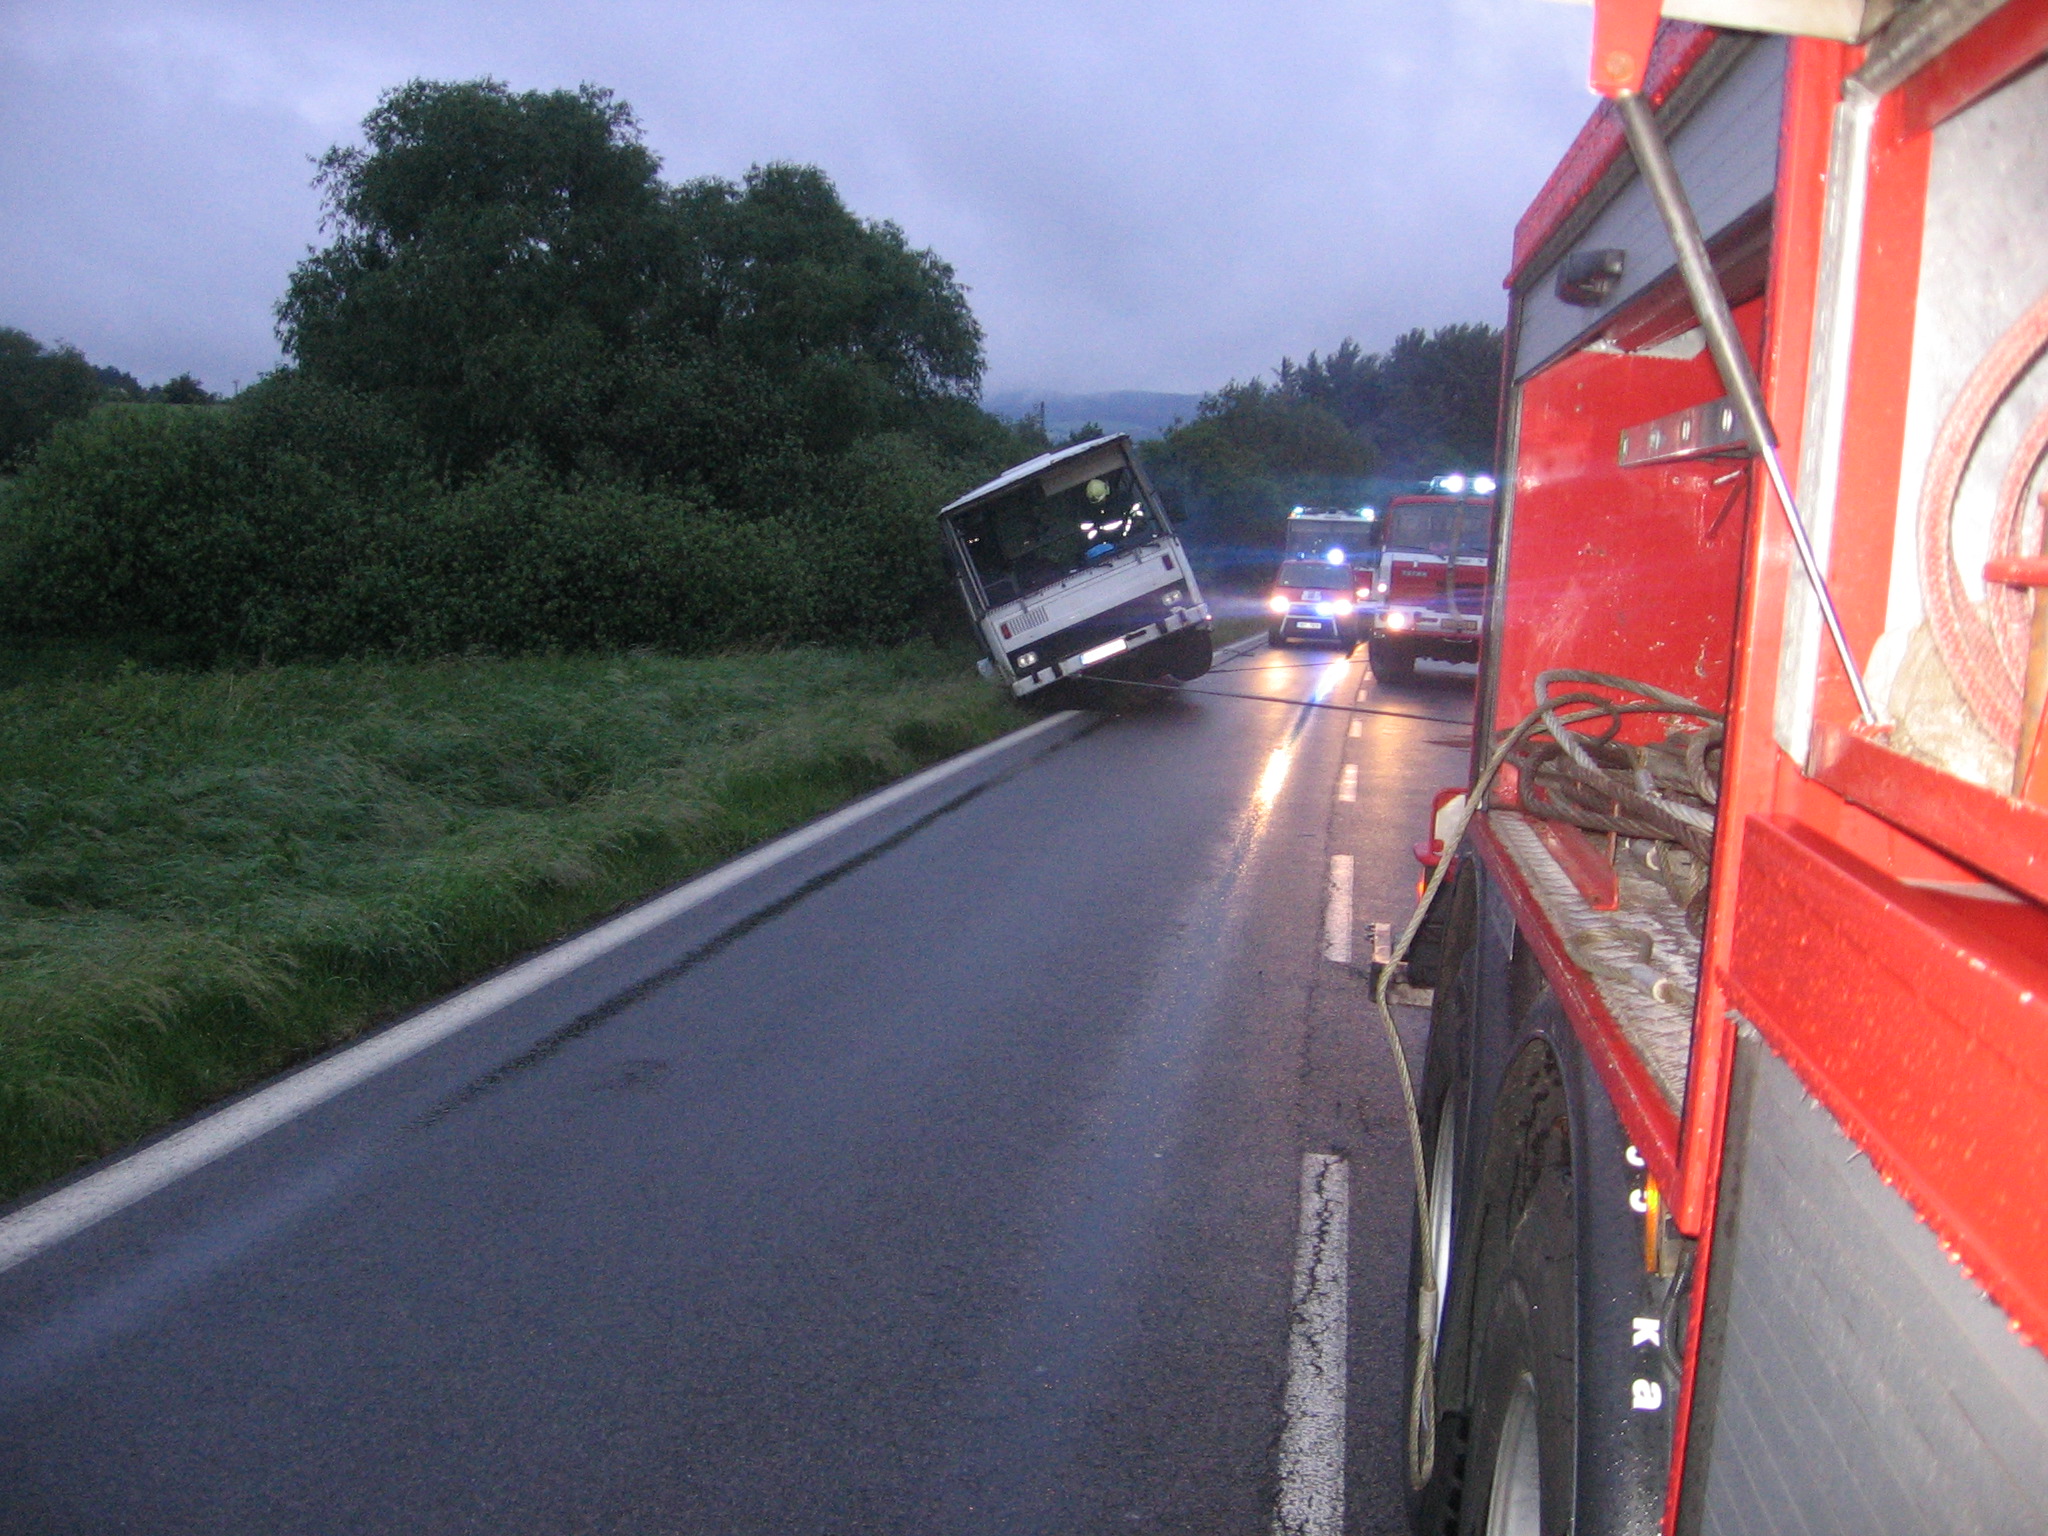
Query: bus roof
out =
(1031, 468)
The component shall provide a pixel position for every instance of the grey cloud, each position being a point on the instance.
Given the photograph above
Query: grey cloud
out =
(1138, 196)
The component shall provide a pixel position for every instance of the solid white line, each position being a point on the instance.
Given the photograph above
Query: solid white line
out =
(1337, 911)
(72, 1209)
(1357, 729)
(1347, 784)
(1311, 1499)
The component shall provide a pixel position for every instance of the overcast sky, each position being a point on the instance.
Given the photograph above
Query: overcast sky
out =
(1159, 196)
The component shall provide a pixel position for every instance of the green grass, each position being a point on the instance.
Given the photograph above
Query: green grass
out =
(207, 876)
(1235, 627)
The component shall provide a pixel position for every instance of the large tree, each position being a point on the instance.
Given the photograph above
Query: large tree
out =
(509, 269)
(1251, 452)
(1334, 430)
(1428, 404)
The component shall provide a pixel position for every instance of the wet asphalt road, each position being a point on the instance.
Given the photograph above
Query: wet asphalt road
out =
(941, 1180)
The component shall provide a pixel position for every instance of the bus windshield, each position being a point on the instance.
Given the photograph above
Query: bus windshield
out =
(1435, 527)
(1025, 541)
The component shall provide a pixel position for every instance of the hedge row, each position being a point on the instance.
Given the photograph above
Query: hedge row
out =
(301, 522)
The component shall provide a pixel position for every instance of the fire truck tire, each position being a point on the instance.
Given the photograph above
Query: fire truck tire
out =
(1392, 662)
(1433, 1508)
(1520, 1474)
(1575, 1337)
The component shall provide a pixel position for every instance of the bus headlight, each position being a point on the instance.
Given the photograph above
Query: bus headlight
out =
(1026, 660)
(1279, 603)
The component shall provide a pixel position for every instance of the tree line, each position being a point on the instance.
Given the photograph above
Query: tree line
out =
(1338, 430)
(538, 396)
(43, 386)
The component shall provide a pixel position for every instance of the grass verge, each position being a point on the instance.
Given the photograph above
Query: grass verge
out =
(205, 877)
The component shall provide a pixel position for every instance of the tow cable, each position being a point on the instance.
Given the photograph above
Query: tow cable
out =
(1268, 698)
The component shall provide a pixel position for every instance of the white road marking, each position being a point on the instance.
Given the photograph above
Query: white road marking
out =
(72, 1209)
(1347, 784)
(1311, 1499)
(1337, 911)
(1360, 698)
(1357, 729)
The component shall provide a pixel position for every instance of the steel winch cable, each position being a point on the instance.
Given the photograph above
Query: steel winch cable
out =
(1555, 714)
(1271, 698)
(1664, 790)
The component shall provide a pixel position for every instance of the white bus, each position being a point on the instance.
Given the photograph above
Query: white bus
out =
(1068, 565)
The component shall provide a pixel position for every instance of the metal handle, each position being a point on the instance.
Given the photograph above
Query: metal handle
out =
(1646, 141)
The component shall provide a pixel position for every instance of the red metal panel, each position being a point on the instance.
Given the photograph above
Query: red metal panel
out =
(1648, 1119)
(1996, 49)
(1624, 31)
(1680, 45)
(2007, 839)
(1631, 571)
(1920, 1019)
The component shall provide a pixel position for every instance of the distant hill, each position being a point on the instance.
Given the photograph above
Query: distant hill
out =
(1140, 412)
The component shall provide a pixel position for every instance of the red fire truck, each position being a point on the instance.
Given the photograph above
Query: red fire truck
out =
(1732, 1133)
(1429, 590)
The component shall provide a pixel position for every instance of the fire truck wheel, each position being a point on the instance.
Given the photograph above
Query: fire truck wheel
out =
(1575, 1330)
(1392, 662)
(1519, 1473)
(1433, 1508)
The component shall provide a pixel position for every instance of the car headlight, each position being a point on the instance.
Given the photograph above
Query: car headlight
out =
(1279, 603)
(1340, 607)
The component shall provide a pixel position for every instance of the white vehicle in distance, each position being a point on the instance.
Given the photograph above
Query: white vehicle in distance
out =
(1068, 565)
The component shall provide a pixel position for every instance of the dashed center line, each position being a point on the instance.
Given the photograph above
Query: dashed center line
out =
(1347, 784)
(1357, 729)
(1311, 1499)
(1337, 911)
